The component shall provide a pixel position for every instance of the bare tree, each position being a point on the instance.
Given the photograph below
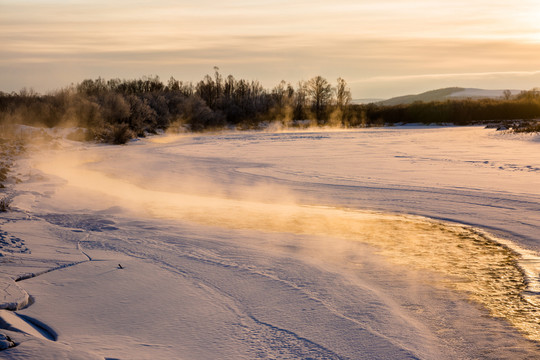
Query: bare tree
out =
(300, 101)
(229, 87)
(343, 94)
(320, 93)
(219, 82)
(279, 93)
(173, 84)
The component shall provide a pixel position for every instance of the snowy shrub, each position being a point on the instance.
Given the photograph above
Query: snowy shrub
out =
(117, 134)
(3, 172)
(4, 204)
(120, 134)
(528, 128)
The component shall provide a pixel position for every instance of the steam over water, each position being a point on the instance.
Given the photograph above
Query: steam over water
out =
(495, 273)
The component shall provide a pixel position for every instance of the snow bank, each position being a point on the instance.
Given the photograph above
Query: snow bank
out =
(12, 296)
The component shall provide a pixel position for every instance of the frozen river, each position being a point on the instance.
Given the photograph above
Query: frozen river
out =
(291, 245)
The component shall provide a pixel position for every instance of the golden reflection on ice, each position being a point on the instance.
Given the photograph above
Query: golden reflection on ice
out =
(490, 272)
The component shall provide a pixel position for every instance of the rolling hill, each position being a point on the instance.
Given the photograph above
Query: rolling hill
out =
(451, 93)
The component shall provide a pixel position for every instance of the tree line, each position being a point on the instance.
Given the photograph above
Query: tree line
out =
(116, 110)
(524, 106)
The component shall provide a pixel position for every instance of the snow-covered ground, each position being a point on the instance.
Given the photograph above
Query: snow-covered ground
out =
(290, 245)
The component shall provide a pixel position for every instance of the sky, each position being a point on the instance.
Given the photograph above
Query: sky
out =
(382, 48)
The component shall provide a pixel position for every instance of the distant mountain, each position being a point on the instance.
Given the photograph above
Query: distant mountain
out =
(451, 93)
(366, 101)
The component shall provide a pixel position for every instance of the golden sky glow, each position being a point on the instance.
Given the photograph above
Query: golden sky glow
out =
(382, 48)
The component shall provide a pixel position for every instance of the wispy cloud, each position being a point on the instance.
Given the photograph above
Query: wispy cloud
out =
(468, 75)
(406, 40)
